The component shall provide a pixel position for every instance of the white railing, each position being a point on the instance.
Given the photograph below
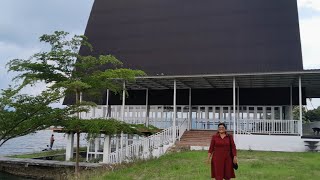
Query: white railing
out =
(183, 127)
(161, 123)
(265, 126)
(210, 124)
(152, 146)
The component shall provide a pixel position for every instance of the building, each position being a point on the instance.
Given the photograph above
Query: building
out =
(235, 61)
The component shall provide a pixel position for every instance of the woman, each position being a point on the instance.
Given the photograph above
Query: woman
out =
(221, 161)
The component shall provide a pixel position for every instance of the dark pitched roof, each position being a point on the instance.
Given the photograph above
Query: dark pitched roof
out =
(196, 37)
(183, 37)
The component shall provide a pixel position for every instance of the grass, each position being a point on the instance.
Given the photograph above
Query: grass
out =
(253, 165)
(44, 153)
(39, 154)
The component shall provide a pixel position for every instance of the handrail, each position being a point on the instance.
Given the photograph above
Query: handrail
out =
(152, 146)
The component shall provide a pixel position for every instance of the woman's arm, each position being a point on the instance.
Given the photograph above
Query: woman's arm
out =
(234, 150)
(211, 149)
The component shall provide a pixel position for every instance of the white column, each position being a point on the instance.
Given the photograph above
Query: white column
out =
(234, 106)
(80, 100)
(69, 147)
(123, 100)
(290, 108)
(106, 149)
(96, 146)
(121, 147)
(272, 113)
(117, 146)
(190, 111)
(147, 107)
(300, 105)
(174, 110)
(238, 113)
(107, 103)
(127, 144)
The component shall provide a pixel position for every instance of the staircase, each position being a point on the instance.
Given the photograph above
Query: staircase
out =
(199, 138)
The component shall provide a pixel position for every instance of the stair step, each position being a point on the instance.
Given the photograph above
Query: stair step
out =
(197, 138)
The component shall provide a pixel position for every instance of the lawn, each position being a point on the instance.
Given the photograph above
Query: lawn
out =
(46, 153)
(253, 165)
(39, 154)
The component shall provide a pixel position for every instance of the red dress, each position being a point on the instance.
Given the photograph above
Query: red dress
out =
(221, 163)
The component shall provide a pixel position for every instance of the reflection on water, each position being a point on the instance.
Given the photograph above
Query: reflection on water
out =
(5, 176)
(36, 142)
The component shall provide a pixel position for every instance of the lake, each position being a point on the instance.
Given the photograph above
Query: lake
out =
(33, 143)
(36, 142)
(5, 176)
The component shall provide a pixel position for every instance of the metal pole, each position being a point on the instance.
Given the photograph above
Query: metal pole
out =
(174, 110)
(190, 111)
(234, 106)
(238, 113)
(300, 105)
(291, 115)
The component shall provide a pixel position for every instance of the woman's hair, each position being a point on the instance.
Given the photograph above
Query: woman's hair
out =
(222, 124)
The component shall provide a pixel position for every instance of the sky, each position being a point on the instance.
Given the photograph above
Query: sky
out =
(22, 22)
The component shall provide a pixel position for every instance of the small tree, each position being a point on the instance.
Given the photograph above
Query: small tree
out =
(64, 69)
(22, 114)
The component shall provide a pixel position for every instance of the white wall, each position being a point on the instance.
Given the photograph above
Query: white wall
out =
(272, 143)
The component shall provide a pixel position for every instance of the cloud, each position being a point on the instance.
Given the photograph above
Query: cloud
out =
(310, 38)
(309, 14)
(24, 21)
(313, 4)
(9, 51)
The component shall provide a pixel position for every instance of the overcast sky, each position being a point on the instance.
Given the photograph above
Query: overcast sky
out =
(23, 21)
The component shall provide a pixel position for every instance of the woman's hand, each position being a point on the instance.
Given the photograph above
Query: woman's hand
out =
(208, 161)
(235, 160)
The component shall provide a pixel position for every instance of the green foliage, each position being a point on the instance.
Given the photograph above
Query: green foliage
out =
(63, 67)
(307, 115)
(22, 114)
(313, 115)
(191, 165)
(64, 71)
(103, 126)
(296, 113)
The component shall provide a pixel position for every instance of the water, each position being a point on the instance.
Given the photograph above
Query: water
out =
(5, 176)
(36, 142)
(33, 143)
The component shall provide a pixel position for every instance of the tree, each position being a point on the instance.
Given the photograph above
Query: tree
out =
(22, 114)
(64, 69)
(296, 113)
(307, 115)
(313, 115)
